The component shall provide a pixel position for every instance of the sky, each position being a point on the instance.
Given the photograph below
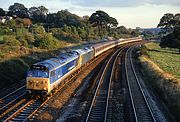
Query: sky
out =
(129, 13)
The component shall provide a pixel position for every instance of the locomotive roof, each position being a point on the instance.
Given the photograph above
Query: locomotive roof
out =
(57, 61)
(83, 51)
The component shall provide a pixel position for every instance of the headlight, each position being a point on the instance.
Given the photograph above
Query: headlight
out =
(43, 82)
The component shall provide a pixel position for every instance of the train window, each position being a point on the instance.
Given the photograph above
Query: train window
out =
(53, 73)
(37, 73)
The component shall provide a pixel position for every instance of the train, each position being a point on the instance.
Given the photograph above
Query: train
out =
(43, 78)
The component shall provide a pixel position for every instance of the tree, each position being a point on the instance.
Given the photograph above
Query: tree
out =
(103, 21)
(176, 33)
(171, 24)
(134, 33)
(64, 17)
(43, 10)
(2, 12)
(99, 19)
(122, 30)
(169, 21)
(38, 14)
(18, 9)
(148, 34)
(112, 22)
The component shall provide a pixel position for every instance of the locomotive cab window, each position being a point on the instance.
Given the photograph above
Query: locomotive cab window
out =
(37, 73)
(53, 73)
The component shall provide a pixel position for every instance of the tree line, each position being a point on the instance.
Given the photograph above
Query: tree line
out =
(63, 25)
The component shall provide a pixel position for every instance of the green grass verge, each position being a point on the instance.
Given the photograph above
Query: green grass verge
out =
(167, 59)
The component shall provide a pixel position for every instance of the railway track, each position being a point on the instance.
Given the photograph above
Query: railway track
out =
(11, 96)
(25, 111)
(140, 105)
(98, 110)
(7, 102)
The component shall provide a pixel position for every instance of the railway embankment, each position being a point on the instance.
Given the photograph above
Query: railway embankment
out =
(162, 74)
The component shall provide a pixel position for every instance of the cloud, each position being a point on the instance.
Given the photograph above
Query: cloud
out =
(122, 3)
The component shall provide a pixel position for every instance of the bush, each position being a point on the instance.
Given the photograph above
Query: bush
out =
(30, 38)
(45, 41)
(68, 37)
(38, 30)
(11, 40)
(5, 30)
(22, 40)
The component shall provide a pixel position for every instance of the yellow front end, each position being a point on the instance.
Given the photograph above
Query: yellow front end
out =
(38, 84)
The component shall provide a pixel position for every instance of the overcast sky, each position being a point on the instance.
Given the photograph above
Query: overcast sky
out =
(130, 13)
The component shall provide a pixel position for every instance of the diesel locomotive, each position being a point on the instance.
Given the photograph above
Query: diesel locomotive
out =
(44, 77)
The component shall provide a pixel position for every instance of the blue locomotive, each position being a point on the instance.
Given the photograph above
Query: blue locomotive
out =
(44, 77)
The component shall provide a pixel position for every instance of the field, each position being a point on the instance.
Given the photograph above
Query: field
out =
(167, 59)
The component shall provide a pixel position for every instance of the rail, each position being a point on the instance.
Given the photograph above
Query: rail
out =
(141, 108)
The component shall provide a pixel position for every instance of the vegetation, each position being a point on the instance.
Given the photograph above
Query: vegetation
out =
(167, 59)
(63, 25)
(171, 27)
(36, 27)
(160, 67)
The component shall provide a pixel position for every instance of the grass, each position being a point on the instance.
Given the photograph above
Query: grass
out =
(161, 69)
(167, 59)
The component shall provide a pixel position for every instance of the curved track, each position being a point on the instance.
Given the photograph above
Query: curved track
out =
(141, 108)
(98, 110)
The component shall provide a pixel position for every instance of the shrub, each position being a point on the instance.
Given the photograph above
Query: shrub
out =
(22, 40)
(38, 30)
(68, 37)
(11, 40)
(5, 30)
(30, 38)
(45, 41)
